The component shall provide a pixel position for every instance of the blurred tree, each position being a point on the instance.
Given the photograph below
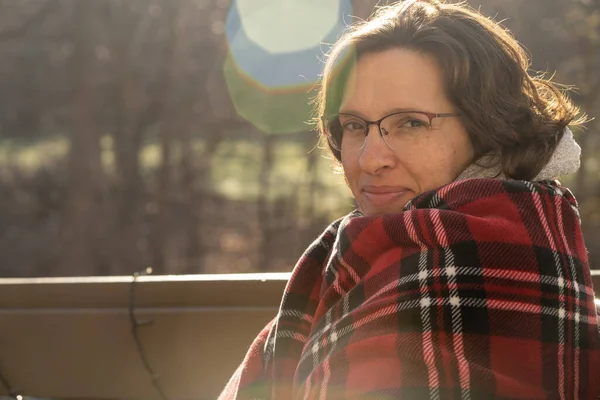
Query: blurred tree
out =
(29, 14)
(120, 146)
(141, 33)
(82, 229)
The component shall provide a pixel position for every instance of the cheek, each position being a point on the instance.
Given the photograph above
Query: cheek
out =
(437, 166)
(350, 168)
(434, 169)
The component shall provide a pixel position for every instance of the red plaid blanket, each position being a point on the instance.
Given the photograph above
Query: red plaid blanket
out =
(479, 290)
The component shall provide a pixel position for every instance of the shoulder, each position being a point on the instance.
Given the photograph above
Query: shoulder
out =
(493, 206)
(474, 217)
(463, 194)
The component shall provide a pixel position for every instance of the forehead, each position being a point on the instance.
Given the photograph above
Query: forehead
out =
(394, 79)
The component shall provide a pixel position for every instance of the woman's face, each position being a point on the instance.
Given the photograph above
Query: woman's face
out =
(381, 179)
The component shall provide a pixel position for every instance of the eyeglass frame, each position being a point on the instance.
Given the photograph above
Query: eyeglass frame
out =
(431, 116)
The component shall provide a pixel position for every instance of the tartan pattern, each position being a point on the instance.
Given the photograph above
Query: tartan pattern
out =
(480, 289)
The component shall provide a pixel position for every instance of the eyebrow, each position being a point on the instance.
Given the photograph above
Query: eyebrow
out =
(385, 113)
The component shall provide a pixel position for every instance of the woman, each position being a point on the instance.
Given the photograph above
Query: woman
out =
(463, 273)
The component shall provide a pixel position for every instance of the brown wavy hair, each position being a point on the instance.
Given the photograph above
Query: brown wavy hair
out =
(506, 111)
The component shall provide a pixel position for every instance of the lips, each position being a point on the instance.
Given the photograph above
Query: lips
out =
(383, 189)
(381, 196)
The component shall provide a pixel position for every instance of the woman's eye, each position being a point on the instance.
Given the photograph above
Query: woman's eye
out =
(353, 126)
(415, 123)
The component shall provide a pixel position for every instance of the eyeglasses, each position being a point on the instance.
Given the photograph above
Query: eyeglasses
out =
(350, 131)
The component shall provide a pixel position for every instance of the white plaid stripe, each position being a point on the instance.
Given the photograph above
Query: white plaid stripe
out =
(317, 352)
(314, 352)
(425, 300)
(288, 312)
(392, 309)
(269, 348)
(465, 301)
(515, 276)
(317, 336)
(335, 253)
(562, 192)
(346, 305)
(469, 302)
(428, 353)
(457, 337)
(561, 290)
(351, 272)
(287, 334)
(371, 312)
(561, 227)
(275, 333)
(326, 370)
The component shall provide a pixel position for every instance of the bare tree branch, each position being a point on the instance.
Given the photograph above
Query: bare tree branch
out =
(32, 20)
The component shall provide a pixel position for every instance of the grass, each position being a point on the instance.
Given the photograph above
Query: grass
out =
(235, 173)
(31, 155)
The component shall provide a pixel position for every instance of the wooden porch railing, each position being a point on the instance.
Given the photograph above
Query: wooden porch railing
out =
(71, 338)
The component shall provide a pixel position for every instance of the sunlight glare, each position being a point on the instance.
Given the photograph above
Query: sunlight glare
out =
(286, 26)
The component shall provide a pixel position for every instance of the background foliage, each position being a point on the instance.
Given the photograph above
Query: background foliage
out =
(120, 146)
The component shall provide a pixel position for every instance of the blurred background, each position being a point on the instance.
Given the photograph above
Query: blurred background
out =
(175, 133)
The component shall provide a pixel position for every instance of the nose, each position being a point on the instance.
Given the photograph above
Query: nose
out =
(375, 154)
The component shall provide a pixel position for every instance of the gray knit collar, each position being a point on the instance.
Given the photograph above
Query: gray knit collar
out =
(564, 161)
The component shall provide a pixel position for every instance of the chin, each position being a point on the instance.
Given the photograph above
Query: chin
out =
(395, 206)
(378, 211)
